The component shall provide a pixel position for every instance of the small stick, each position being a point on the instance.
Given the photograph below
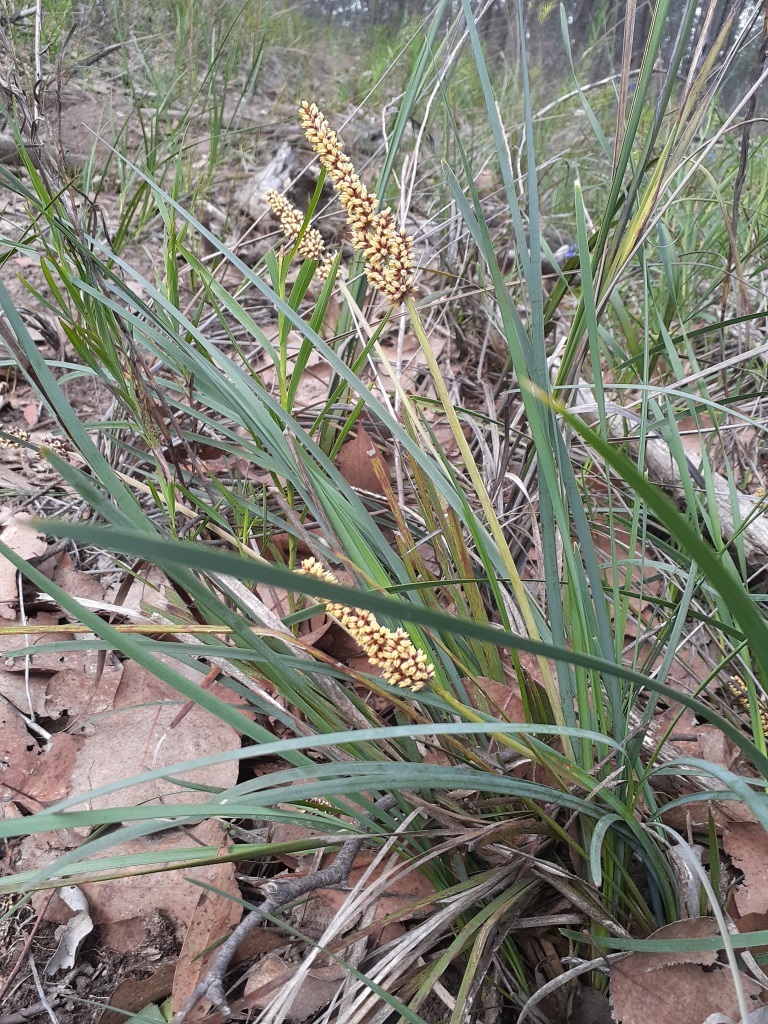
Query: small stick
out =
(279, 892)
(37, 89)
(41, 992)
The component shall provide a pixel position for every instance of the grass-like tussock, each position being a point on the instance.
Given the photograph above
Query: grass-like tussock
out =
(545, 532)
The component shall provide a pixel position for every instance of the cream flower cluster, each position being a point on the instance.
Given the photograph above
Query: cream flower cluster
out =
(387, 250)
(401, 663)
(312, 246)
(17, 438)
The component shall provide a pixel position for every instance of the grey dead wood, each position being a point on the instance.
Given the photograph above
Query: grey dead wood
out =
(279, 893)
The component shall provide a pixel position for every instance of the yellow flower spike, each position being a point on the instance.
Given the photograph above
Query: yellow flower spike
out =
(17, 438)
(326, 264)
(388, 251)
(291, 220)
(740, 692)
(402, 664)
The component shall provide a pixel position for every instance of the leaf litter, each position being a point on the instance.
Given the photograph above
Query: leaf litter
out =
(109, 720)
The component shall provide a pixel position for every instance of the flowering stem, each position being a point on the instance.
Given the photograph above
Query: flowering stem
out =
(487, 505)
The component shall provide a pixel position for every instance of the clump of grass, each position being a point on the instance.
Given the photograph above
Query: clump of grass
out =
(568, 798)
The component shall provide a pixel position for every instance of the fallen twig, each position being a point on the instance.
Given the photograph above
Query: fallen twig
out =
(279, 892)
(5, 987)
(745, 520)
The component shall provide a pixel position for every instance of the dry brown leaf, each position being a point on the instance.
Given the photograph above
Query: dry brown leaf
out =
(337, 642)
(24, 542)
(400, 897)
(18, 691)
(132, 996)
(312, 389)
(121, 907)
(49, 777)
(702, 741)
(31, 414)
(145, 591)
(260, 940)
(274, 973)
(71, 690)
(746, 843)
(48, 661)
(687, 671)
(499, 698)
(531, 667)
(9, 478)
(414, 368)
(18, 753)
(681, 721)
(431, 753)
(213, 918)
(76, 583)
(283, 545)
(696, 816)
(76, 692)
(685, 993)
(690, 928)
(285, 832)
(276, 599)
(136, 736)
(716, 747)
(445, 439)
(684, 987)
(10, 810)
(356, 462)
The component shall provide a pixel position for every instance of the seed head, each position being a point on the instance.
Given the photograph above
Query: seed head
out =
(739, 690)
(56, 445)
(291, 220)
(388, 251)
(17, 437)
(401, 663)
(326, 265)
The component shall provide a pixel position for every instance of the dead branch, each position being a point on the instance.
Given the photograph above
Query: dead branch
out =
(279, 892)
(746, 521)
